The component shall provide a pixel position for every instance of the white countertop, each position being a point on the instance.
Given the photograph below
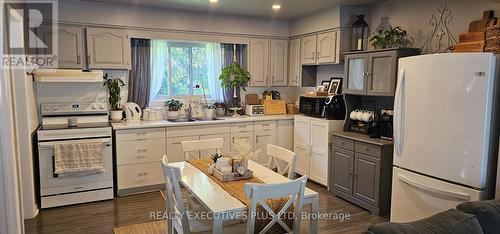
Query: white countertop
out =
(224, 120)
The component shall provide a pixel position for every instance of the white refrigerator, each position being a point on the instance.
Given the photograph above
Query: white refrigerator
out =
(445, 133)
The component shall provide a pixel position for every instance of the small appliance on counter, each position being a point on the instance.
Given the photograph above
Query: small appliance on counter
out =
(133, 111)
(254, 110)
(386, 128)
(335, 107)
(312, 106)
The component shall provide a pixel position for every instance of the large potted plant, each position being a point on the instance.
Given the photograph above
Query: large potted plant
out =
(174, 107)
(114, 98)
(394, 37)
(234, 77)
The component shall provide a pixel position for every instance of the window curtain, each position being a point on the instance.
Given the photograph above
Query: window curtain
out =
(214, 69)
(159, 61)
(228, 52)
(139, 79)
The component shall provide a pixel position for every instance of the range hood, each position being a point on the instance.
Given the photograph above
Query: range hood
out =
(61, 75)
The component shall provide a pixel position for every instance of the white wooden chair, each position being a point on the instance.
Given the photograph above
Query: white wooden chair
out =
(259, 193)
(178, 214)
(192, 149)
(277, 156)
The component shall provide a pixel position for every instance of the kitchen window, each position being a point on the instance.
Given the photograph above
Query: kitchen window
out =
(181, 69)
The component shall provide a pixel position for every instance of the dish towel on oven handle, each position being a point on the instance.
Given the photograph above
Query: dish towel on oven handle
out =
(78, 159)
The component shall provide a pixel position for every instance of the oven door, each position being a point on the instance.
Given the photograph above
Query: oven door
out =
(50, 184)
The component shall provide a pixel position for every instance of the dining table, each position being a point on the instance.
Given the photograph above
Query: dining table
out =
(223, 205)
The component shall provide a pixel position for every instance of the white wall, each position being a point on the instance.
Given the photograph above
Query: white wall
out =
(414, 15)
(26, 121)
(327, 19)
(162, 18)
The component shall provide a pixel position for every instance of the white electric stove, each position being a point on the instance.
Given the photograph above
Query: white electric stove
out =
(75, 123)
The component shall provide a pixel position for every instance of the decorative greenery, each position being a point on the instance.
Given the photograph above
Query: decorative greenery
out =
(114, 88)
(216, 156)
(393, 37)
(233, 76)
(173, 105)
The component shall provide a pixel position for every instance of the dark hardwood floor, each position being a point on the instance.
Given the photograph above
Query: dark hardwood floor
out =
(102, 217)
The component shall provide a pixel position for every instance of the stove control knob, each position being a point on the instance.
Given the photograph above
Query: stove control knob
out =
(102, 106)
(93, 106)
(47, 108)
(56, 107)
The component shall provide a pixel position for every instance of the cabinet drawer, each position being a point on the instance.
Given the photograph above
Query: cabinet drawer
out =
(140, 134)
(264, 126)
(197, 130)
(138, 175)
(242, 127)
(133, 152)
(368, 149)
(344, 143)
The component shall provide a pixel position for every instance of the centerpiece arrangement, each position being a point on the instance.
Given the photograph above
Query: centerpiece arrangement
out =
(235, 166)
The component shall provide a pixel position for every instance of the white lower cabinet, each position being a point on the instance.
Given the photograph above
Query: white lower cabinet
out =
(311, 143)
(139, 151)
(138, 155)
(139, 175)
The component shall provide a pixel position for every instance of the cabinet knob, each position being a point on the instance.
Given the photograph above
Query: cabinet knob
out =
(366, 148)
(341, 142)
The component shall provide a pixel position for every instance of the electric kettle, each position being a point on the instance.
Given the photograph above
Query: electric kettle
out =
(133, 111)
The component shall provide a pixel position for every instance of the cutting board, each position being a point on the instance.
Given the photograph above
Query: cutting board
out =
(480, 25)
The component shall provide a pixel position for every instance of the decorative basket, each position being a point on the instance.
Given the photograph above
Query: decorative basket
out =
(232, 176)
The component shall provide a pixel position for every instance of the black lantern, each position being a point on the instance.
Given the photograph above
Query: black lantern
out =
(359, 34)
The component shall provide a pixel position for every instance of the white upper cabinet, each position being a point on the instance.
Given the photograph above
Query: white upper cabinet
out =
(70, 46)
(308, 50)
(279, 56)
(259, 62)
(295, 65)
(323, 48)
(326, 51)
(268, 62)
(108, 48)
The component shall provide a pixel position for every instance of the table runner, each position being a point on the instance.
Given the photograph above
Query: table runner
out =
(235, 188)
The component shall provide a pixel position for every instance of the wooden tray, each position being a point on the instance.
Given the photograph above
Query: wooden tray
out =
(232, 176)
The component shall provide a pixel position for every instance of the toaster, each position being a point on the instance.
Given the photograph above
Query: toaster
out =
(254, 110)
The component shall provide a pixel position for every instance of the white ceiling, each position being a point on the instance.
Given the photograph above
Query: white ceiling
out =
(262, 8)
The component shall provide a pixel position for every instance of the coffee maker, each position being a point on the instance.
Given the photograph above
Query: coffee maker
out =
(386, 127)
(335, 107)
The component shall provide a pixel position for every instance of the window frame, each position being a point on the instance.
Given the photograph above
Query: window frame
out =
(190, 46)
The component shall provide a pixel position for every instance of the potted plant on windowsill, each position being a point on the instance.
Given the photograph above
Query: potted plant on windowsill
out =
(114, 88)
(174, 106)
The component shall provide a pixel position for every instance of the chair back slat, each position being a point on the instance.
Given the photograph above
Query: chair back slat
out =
(278, 155)
(196, 149)
(177, 215)
(260, 193)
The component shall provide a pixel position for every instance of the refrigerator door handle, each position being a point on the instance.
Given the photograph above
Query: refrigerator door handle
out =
(399, 112)
(432, 189)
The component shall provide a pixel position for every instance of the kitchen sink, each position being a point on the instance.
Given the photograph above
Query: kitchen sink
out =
(184, 120)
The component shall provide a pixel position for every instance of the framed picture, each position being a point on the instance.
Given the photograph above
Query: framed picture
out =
(326, 83)
(335, 86)
(320, 88)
